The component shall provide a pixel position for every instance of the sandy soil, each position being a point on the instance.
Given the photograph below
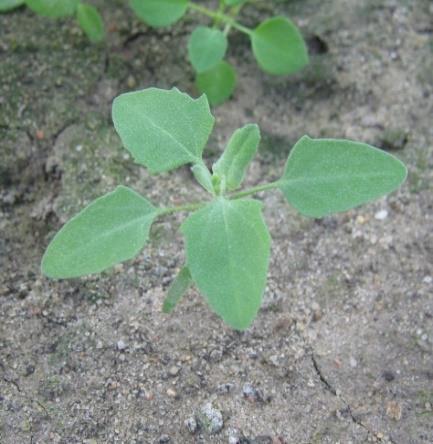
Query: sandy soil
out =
(342, 350)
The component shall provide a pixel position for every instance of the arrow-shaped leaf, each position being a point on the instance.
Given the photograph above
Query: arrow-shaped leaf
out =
(110, 230)
(227, 249)
(325, 176)
(163, 129)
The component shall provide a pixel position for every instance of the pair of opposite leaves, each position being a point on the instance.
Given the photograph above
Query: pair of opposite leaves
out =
(87, 15)
(277, 45)
(227, 241)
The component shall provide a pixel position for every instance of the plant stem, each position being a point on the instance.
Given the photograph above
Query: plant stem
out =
(220, 16)
(180, 208)
(254, 190)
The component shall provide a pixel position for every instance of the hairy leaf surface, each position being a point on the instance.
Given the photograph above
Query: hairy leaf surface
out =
(110, 230)
(279, 47)
(159, 12)
(325, 176)
(218, 83)
(91, 22)
(237, 156)
(8, 5)
(227, 250)
(163, 129)
(53, 8)
(206, 48)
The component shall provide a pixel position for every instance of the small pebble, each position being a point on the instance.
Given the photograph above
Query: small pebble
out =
(163, 439)
(251, 393)
(173, 371)
(121, 345)
(191, 425)
(353, 362)
(210, 419)
(381, 215)
(171, 392)
(394, 410)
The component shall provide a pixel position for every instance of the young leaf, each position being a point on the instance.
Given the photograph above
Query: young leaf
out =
(8, 5)
(91, 22)
(325, 176)
(110, 230)
(159, 12)
(177, 289)
(206, 48)
(203, 177)
(163, 129)
(227, 250)
(237, 156)
(218, 83)
(53, 8)
(279, 47)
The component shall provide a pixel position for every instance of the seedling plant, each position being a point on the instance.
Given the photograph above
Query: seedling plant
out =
(276, 43)
(226, 238)
(87, 15)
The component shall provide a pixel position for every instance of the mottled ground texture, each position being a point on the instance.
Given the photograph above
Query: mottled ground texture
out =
(341, 351)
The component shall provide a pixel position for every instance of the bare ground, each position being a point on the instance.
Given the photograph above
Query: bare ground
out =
(342, 350)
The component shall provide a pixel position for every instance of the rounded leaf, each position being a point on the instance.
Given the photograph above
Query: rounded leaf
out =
(8, 5)
(218, 83)
(325, 176)
(53, 8)
(227, 250)
(159, 12)
(279, 47)
(206, 48)
(110, 230)
(91, 22)
(163, 129)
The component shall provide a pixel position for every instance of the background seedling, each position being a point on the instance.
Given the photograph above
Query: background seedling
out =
(87, 15)
(277, 43)
(227, 240)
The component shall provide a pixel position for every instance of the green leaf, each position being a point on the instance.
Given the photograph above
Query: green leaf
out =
(53, 8)
(206, 48)
(177, 289)
(227, 250)
(237, 156)
(110, 230)
(203, 177)
(279, 47)
(163, 129)
(91, 22)
(8, 5)
(218, 83)
(159, 12)
(325, 176)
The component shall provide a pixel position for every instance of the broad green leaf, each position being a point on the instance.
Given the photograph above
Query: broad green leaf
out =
(325, 176)
(110, 230)
(237, 156)
(53, 8)
(218, 83)
(8, 5)
(91, 22)
(203, 177)
(227, 250)
(159, 12)
(279, 47)
(177, 289)
(163, 129)
(206, 48)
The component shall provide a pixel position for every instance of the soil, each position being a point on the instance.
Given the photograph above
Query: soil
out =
(342, 349)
